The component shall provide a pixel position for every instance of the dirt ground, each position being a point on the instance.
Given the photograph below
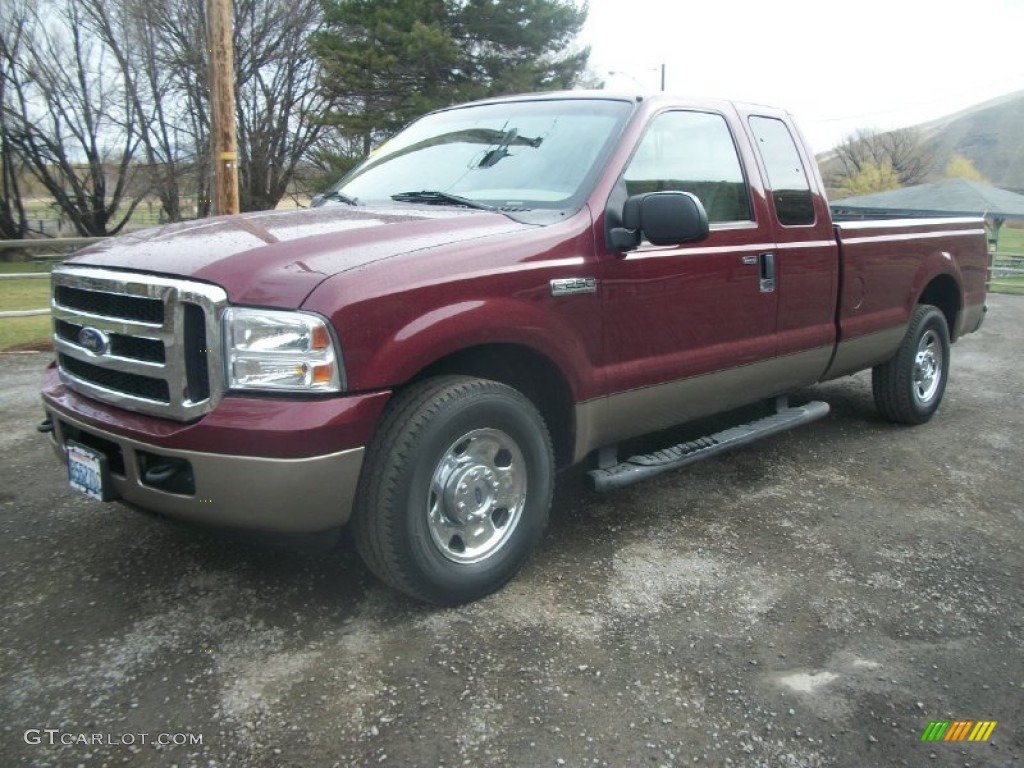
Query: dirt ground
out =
(813, 600)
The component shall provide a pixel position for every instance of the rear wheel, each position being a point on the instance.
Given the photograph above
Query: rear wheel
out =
(909, 388)
(456, 489)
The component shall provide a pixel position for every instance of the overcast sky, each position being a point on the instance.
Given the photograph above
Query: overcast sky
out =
(837, 66)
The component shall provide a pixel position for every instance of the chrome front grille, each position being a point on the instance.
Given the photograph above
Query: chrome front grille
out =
(143, 343)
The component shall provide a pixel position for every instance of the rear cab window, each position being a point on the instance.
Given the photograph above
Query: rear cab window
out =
(787, 177)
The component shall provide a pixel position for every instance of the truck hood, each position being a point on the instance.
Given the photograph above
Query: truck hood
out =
(276, 258)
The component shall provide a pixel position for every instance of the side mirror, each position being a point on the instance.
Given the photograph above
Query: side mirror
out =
(664, 218)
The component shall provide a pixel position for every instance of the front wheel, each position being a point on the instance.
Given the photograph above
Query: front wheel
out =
(909, 388)
(456, 488)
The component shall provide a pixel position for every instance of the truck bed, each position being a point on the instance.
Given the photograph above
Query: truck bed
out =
(879, 258)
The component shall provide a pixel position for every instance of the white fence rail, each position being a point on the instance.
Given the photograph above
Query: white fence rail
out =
(1004, 265)
(49, 243)
(39, 244)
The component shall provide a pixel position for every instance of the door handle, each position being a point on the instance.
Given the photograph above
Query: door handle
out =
(767, 262)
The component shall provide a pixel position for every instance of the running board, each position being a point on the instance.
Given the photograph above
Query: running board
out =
(639, 468)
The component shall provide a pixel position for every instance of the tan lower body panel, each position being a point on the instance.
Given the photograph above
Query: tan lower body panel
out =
(287, 495)
(972, 317)
(865, 351)
(607, 420)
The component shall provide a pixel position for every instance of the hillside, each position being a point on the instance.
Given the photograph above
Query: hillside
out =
(990, 135)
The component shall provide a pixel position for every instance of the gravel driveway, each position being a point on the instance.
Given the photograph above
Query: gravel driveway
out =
(813, 600)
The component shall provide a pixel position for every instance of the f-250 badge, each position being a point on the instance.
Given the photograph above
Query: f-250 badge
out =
(572, 286)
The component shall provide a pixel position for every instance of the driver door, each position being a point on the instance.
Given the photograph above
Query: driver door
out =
(690, 329)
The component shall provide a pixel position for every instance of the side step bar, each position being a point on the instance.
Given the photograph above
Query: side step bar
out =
(638, 468)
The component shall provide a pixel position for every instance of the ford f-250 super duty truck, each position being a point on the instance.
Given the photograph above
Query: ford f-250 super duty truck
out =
(503, 288)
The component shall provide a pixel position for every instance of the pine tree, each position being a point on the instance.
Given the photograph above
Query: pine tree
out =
(387, 61)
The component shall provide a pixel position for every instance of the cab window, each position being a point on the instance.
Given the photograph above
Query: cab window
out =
(692, 152)
(791, 191)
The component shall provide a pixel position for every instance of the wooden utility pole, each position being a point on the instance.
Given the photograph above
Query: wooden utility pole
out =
(223, 140)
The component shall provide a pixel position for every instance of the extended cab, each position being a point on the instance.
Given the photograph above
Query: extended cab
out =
(503, 288)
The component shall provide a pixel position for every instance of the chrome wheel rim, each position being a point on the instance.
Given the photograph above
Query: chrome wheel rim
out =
(928, 364)
(476, 496)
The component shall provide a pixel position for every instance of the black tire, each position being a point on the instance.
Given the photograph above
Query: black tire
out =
(909, 388)
(456, 463)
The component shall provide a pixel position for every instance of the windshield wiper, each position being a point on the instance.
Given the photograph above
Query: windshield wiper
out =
(437, 197)
(341, 197)
(500, 152)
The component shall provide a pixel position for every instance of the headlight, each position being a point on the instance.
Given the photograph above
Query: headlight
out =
(280, 351)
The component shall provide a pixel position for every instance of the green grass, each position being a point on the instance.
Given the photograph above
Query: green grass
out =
(24, 294)
(20, 331)
(1011, 240)
(12, 267)
(42, 213)
(1014, 285)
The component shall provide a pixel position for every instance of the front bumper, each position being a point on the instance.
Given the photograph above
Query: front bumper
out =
(230, 488)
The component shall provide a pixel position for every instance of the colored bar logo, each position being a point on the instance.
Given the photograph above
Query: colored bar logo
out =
(958, 730)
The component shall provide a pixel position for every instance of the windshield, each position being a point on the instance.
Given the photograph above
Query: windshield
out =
(510, 156)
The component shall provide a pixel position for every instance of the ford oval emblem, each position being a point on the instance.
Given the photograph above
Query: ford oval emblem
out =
(96, 341)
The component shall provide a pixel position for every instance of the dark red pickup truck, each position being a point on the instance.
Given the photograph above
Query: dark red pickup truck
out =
(504, 288)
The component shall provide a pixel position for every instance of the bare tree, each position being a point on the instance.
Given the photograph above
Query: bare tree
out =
(334, 154)
(168, 37)
(902, 150)
(70, 119)
(280, 103)
(131, 31)
(13, 221)
(107, 103)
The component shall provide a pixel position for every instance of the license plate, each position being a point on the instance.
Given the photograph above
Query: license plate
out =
(87, 471)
